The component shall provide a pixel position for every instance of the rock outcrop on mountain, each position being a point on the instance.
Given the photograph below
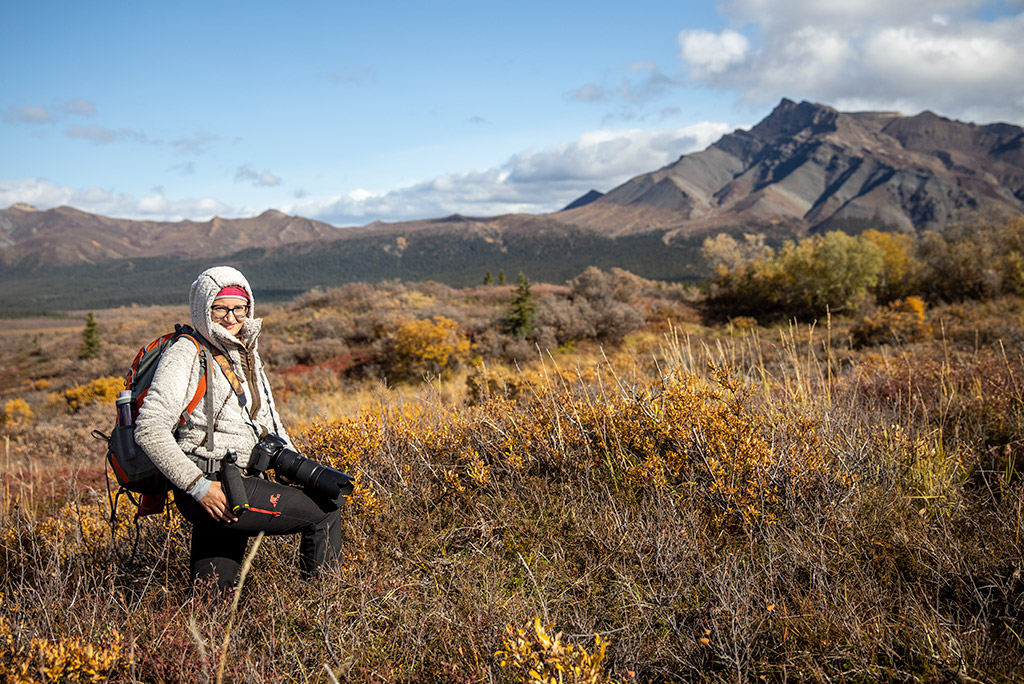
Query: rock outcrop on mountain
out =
(808, 167)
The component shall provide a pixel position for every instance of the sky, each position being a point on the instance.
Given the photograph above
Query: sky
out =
(355, 112)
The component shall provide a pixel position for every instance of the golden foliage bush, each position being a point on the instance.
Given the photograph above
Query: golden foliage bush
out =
(70, 660)
(745, 463)
(82, 529)
(486, 382)
(17, 415)
(899, 322)
(830, 272)
(425, 347)
(532, 654)
(104, 389)
(901, 270)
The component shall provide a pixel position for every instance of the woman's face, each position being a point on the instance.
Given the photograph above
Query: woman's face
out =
(227, 312)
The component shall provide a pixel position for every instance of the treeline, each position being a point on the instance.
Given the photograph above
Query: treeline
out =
(842, 273)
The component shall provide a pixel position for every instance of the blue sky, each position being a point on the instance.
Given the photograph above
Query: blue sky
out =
(399, 110)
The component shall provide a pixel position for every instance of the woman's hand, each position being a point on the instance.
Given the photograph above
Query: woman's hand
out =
(216, 504)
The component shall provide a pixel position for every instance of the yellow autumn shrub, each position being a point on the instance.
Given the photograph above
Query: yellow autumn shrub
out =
(425, 347)
(534, 656)
(899, 322)
(17, 415)
(104, 389)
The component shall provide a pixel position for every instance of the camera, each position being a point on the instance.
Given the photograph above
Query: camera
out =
(270, 452)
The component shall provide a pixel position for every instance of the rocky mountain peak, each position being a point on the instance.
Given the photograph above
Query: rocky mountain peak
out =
(790, 119)
(809, 167)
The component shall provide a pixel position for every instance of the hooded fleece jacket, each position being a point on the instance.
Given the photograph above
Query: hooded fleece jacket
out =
(174, 448)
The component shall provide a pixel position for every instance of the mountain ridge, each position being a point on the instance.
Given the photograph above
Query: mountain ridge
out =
(804, 168)
(809, 166)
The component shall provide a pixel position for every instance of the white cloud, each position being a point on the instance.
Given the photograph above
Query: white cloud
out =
(79, 107)
(535, 181)
(911, 57)
(185, 168)
(35, 115)
(642, 81)
(44, 115)
(44, 195)
(264, 179)
(588, 92)
(636, 84)
(852, 15)
(105, 136)
(935, 54)
(196, 144)
(710, 53)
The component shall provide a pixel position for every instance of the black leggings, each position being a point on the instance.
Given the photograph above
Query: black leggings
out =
(218, 548)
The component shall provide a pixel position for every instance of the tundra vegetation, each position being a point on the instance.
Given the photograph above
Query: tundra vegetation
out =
(807, 472)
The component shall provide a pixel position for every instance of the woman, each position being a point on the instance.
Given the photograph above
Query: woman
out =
(242, 410)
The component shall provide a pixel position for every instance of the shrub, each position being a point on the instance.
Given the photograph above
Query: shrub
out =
(17, 415)
(488, 383)
(833, 272)
(606, 299)
(534, 655)
(901, 270)
(58, 660)
(318, 351)
(423, 347)
(723, 254)
(973, 260)
(899, 322)
(561, 320)
(103, 389)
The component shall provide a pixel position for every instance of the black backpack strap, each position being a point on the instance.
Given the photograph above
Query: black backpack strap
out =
(211, 418)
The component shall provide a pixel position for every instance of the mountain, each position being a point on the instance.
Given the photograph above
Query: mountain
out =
(66, 236)
(583, 200)
(806, 167)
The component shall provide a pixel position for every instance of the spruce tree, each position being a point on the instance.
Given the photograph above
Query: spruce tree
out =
(90, 348)
(501, 276)
(488, 280)
(522, 308)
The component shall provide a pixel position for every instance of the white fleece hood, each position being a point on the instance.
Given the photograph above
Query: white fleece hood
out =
(200, 299)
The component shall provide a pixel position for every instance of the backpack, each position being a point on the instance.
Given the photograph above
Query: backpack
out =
(132, 467)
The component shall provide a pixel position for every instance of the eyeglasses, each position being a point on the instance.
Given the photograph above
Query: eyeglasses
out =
(218, 312)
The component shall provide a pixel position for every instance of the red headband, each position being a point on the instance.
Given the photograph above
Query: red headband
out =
(232, 291)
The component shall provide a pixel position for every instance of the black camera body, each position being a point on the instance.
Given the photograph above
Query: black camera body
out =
(271, 452)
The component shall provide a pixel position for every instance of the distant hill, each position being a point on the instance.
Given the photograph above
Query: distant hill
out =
(65, 236)
(804, 168)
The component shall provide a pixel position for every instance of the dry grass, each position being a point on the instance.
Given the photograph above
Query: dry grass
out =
(698, 504)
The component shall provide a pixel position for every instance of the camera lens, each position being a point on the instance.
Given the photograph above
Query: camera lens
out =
(297, 468)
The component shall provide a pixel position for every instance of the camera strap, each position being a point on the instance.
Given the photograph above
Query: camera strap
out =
(229, 373)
